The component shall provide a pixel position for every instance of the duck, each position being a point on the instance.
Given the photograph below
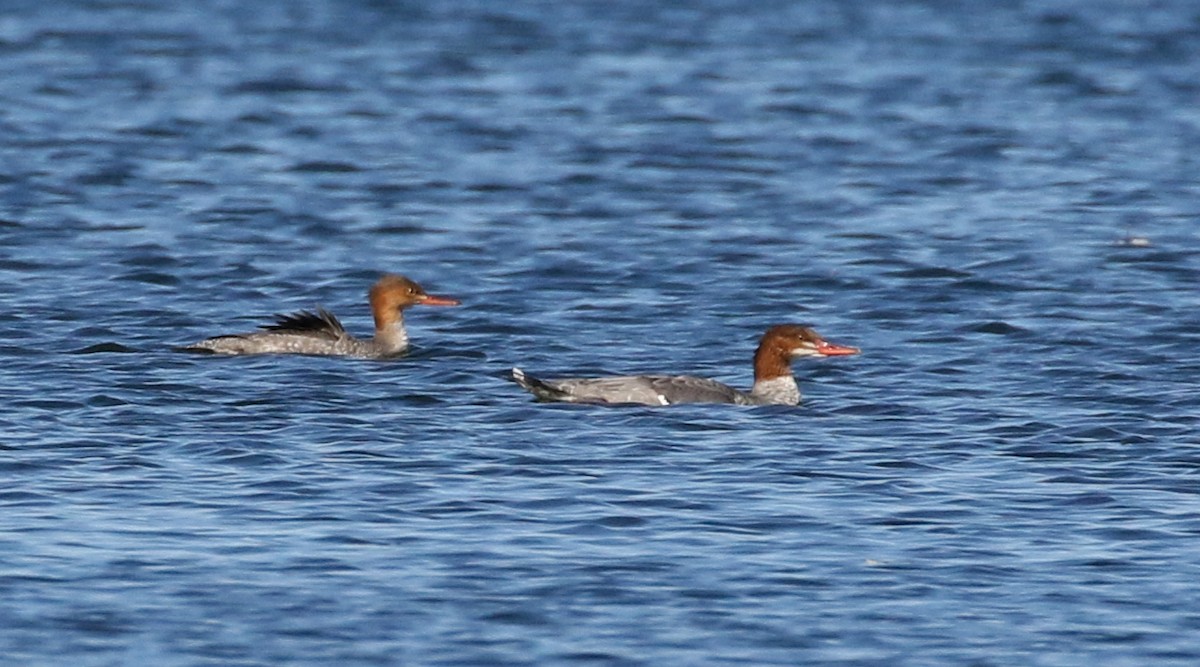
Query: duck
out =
(319, 332)
(774, 383)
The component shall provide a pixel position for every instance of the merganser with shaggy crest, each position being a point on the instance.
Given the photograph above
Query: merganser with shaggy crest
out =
(321, 333)
(774, 383)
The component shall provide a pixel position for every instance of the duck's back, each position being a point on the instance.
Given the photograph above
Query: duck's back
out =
(644, 389)
(303, 332)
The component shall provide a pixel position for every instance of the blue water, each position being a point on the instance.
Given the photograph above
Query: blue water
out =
(1008, 475)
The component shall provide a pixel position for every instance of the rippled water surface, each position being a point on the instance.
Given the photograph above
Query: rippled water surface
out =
(1008, 475)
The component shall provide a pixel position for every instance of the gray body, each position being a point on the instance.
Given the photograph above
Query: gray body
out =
(658, 390)
(318, 333)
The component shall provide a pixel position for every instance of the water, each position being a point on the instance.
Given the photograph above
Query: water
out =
(1007, 475)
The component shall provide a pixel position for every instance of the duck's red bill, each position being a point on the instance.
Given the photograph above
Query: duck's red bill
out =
(833, 350)
(431, 300)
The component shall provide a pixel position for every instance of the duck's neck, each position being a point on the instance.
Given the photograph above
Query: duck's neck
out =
(773, 380)
(390, 335)
(781, 390)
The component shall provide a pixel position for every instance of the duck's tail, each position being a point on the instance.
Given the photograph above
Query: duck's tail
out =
(542, 390)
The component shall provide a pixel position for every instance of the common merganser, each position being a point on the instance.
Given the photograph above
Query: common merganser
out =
(774, 383)
(321, 333)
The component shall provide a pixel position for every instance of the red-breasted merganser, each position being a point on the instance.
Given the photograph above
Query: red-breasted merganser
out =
(774, 383)
(321, 333)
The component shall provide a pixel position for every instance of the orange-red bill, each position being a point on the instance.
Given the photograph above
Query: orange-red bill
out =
(832, 350)
(431, 300)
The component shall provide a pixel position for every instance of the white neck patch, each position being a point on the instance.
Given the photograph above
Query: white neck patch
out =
(780, 391)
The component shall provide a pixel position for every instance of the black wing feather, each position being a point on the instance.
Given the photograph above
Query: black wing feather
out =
(308, 322)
